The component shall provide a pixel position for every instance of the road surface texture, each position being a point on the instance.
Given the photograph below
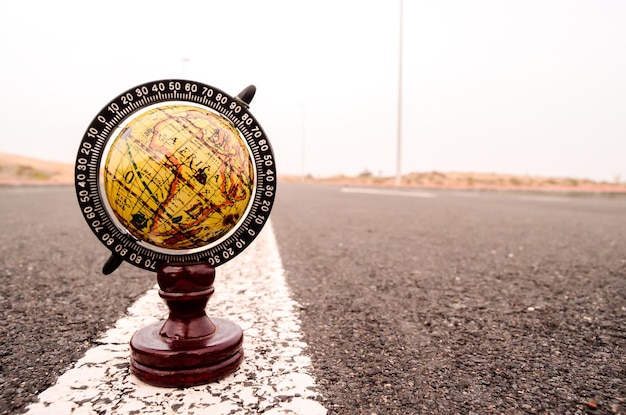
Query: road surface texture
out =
(462, 303)
(54, 300)
(442, 302)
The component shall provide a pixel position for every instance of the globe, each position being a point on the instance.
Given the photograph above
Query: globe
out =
(178, 176)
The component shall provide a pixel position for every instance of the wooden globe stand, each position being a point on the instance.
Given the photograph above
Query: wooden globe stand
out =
(188, 348)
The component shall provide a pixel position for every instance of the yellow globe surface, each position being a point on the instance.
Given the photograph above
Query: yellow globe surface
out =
(178, 176)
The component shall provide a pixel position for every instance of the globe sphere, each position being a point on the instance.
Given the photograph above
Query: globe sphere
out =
(178, 177)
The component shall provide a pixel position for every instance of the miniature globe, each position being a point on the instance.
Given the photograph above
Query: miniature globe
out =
(178, 177)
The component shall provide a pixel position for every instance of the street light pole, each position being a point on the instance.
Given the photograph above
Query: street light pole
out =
(303, 128)
(182, 66)
(399, 144)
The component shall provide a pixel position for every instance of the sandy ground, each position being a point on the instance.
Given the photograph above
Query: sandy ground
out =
(20, 170)
(472, 181)
(15, 169)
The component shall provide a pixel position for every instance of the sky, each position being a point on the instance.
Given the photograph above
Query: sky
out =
(530, 87)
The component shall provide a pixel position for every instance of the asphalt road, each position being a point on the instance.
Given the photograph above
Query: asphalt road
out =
(461, 303)
(54, 301)
(464, 302)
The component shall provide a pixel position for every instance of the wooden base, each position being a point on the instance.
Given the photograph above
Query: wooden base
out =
(160, 361)
(188, 348)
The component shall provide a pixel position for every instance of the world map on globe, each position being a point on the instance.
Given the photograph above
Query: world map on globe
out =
(178, 176)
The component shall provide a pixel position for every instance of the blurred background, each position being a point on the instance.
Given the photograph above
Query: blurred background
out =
(534, 87)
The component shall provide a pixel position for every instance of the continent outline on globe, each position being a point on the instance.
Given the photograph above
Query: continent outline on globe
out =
(238, 132)
(169, 155)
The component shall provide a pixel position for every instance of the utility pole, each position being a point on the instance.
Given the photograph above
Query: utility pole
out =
(303, 132)
(183, 61)
(399, 144)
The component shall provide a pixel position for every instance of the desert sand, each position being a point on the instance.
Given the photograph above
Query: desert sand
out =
(21, 170)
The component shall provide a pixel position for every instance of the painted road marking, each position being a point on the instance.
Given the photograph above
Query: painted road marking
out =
(273, 379)
(386, 192)
(555, 199)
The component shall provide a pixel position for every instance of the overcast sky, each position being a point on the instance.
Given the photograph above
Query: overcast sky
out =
(525, 87)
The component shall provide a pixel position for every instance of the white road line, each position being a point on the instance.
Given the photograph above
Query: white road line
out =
(273, 379)
(555, 199)
(386, 192)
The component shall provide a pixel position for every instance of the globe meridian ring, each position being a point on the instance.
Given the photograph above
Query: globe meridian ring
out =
(175, 171)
